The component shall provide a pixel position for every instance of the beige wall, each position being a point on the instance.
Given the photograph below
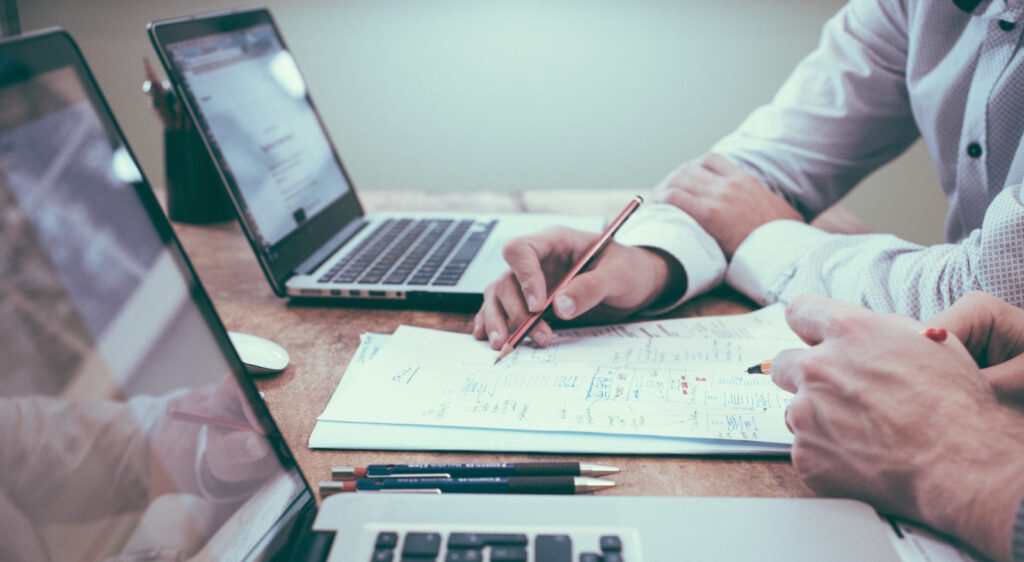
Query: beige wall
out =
(466, 94)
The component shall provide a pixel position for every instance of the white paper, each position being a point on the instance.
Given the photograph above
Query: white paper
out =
(659, 381)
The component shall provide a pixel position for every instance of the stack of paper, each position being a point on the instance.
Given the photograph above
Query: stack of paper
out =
(665, 386)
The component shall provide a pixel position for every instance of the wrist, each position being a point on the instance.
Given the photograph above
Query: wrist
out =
(670, 279)
(974, 491)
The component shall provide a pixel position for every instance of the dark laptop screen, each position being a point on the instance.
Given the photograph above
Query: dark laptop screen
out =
(123, 428)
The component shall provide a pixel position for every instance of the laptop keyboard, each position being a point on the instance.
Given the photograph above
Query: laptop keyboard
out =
(409, 251)
(497, 547)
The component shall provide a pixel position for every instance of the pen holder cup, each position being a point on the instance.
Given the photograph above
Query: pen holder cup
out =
(195, 193)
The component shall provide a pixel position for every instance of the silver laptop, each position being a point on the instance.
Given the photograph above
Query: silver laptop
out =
(293, 197)
(130, 431)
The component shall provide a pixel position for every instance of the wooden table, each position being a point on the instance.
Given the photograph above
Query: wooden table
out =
(322, 339)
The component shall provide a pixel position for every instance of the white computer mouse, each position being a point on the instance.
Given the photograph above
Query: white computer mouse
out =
(260, 356)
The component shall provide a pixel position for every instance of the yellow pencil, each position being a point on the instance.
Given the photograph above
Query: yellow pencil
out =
(761, 368)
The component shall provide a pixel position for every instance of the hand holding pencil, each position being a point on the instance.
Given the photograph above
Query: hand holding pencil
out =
(620, 281)
(236, 446)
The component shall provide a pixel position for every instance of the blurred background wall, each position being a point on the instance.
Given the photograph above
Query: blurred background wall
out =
(532, 94)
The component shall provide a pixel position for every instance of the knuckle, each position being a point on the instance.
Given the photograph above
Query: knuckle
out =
(842, 323)
(716, 205)
(490, 290)
(671, 194)
(815, 368)
(978, 298)
(513, 248)
(801, 414)
(556, 231)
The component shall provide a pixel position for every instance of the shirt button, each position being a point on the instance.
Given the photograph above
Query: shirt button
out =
(1006, 25)
(974, 150)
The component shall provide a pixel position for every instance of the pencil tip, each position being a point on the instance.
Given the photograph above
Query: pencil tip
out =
(505, 350)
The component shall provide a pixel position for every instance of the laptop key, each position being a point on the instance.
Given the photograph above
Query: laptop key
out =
(552, 548)
(464, 556)
(508, 554)
(382, 555)
(611, 543)
(462, 258)
(590, 557)
(386, 539)
(415, 257)
(421, 545)
(479, 540)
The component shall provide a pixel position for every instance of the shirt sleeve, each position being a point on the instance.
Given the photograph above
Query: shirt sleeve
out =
(670, 229)
(783, 259)
(53, 447)
(820, 136)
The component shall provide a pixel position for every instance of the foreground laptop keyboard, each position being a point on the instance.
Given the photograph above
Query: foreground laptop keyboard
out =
(414, 252)
(496, 547)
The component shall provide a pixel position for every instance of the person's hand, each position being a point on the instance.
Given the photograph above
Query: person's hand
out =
(910, 425)
(233, 460)
(236, 456)
(993, 331)
(621, 280)
(727, 202)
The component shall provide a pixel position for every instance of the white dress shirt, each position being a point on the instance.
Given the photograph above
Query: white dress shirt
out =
(885, 73)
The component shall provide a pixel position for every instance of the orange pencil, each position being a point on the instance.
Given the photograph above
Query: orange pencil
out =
(515, 338)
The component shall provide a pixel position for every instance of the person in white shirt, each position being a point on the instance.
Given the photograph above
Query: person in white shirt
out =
(885, 73)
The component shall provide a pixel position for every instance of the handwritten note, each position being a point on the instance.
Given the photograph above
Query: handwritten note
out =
(673, 378)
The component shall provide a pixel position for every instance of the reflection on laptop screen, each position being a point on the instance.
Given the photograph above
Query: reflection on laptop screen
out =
(270, 137)
(123, 431)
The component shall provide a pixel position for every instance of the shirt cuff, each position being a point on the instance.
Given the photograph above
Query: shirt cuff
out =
(670, 229)
(767, 259)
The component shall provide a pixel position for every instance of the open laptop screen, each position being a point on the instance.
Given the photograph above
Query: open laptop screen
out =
(124, 430)
(251, 105)
(269, 136)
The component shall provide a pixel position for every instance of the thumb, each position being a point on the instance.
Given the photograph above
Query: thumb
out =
(583, 293)
(235, 456)
(1007, 379)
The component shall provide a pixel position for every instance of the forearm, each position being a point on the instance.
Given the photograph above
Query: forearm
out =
(783, 259)
(820, 136)
(55, 446)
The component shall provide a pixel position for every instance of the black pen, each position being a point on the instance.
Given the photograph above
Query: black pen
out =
(485, 485)
(455, 470)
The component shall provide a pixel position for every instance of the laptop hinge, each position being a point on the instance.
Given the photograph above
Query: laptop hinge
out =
(315, 546)
(328, 248)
